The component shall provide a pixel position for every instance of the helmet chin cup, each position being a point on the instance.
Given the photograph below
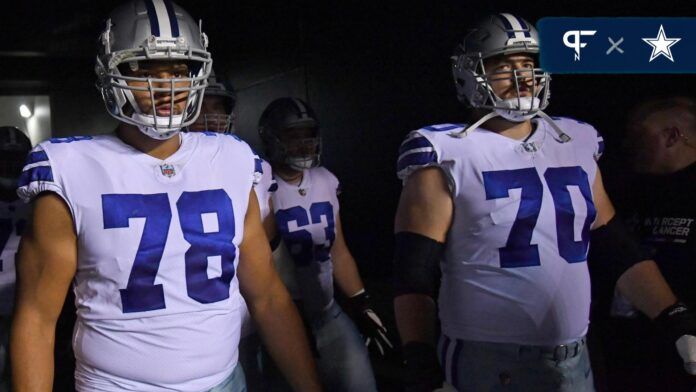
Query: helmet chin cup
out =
(518, 109)
(157, 127)
(301, 163)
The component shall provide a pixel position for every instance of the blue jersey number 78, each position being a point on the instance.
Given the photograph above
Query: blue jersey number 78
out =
(141, 293)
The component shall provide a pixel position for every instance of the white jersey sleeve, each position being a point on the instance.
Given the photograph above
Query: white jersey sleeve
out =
(419, 151)
(39, 176)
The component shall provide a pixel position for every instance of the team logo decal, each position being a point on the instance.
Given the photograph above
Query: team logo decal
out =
(168, 170)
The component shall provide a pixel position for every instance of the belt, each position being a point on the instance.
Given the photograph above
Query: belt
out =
(564, 351)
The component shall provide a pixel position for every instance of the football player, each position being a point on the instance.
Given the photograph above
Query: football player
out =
(506, 204)
(217, 109)
(307, 216)
(14, 146)
(158, 236)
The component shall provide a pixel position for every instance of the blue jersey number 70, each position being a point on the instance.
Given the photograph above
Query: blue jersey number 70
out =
(141, 293)
(518, 250)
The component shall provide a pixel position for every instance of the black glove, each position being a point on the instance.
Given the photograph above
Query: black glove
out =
(368, 323)
(679, 324)
(423, 371)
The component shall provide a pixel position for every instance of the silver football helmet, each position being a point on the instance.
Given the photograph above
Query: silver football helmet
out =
(218, 122)
(501, 34)
(281, 116)
(143, 30)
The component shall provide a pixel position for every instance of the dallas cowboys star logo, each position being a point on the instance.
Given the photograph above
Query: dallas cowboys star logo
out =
(661, 45)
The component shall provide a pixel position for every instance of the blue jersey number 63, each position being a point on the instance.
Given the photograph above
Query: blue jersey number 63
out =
(300, 243)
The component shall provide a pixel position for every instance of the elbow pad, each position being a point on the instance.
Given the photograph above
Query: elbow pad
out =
(416, 264)
(617, 247)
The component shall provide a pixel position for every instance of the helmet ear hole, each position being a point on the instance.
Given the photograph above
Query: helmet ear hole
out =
(468, 62)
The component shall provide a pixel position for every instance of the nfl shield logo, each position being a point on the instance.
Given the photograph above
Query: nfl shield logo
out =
(302, 191)
(168, 170)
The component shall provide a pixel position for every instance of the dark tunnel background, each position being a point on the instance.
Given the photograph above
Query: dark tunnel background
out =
(372, 70)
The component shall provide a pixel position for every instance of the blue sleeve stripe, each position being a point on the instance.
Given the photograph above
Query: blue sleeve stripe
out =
(442, 128)
(416, 159)
(413, 143)
(38, 173)
(600, 148)
(257, 165)
(36, 157)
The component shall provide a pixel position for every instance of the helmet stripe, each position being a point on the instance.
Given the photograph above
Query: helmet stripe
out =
(507, 25)
(172, 18)
(163, 19)
(152, 14)
(301, 108)
(524, 26)
(513, 24)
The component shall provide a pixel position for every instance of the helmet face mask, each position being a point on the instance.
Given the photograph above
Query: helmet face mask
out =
(217, 111)
(290, 134)
(136, 34)
(217, 122)
(500, 37)
(301, 152)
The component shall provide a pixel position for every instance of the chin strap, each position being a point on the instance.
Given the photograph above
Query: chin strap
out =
(465, 132)
(562, 137)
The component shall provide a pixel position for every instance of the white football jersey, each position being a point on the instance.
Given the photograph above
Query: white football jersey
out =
(13, 219)
(306, 215)
(156, 291)
(514, 269)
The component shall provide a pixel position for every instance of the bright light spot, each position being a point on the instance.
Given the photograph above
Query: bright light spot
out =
(24, 111)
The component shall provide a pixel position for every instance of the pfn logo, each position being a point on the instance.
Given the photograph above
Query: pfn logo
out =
(576, 43)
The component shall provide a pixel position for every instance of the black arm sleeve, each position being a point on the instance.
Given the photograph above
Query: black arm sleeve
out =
(416, 267)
